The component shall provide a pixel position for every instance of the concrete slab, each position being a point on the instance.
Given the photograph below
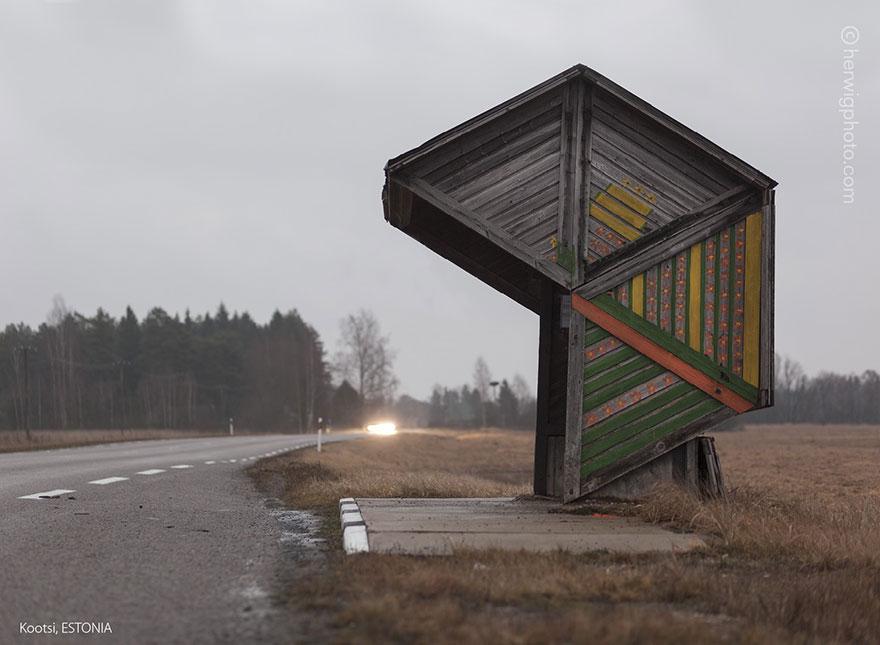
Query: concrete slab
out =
(442, 526)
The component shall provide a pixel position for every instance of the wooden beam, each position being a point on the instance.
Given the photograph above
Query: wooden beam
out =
(768, 295)
(574, 403)
(542, 417)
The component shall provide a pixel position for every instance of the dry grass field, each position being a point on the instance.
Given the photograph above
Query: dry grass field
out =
(16, 440)
(793, 555)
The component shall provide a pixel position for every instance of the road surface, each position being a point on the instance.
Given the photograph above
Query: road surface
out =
(167, 541)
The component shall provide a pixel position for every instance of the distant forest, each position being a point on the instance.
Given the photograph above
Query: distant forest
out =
(167, 371)
(164, 371)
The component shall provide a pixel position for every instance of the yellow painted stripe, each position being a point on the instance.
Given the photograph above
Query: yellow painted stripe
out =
(637, 296)
(626, 214)
(752, 316)
(638, 205)
(613, 223)
(695, 290)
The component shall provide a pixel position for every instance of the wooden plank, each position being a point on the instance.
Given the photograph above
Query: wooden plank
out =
(645, 454)
(493, 114)
(665, 180)
(522, 198)
(470, 219)
(511, 144)
(681, 350)
(513, 167)
(584, 192)
(649, 346)
(659, 245)
(600, 421)
(574, 405)
(695, 292)
(622, 121)
(648, 420)
(565, 165)
(752, 314)
(767, 352)
(542, 417)
(601, 347)
(619, 163)
(596, 380)
(638, 294)
(646, 373)
(608, 360)
(577, 227)
(713, 150)
(508, 178)
(618, 226)
(653, 435)
(619, 209)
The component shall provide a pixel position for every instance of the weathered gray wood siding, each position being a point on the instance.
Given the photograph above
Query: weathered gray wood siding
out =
(506, 173)
(642, 176)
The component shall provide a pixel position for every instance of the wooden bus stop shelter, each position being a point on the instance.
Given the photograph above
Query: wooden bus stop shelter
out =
(646, 250)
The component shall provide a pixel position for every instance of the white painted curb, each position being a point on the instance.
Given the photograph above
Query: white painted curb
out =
(354, 529)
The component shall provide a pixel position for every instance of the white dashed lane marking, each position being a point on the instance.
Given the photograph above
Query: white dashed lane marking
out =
(151, 471)
(208, 463)
(181, 466)
(49, 494)
(108, 480)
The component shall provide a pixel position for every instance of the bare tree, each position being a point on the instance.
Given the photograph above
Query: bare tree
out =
(365, 357)
(482, 381)
(521, 389)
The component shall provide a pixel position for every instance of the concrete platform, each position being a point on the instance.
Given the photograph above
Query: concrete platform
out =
(442, 526)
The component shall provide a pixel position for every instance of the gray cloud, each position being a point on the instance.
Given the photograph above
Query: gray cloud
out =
(183, 153)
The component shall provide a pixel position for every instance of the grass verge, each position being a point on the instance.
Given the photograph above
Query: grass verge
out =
(794, 559)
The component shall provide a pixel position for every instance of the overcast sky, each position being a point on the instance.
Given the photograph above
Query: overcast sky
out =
(177, 154)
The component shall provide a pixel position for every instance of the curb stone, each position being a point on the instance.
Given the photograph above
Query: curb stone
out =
(354, 529)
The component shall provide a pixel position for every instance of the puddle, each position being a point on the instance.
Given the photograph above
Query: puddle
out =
(299, 533)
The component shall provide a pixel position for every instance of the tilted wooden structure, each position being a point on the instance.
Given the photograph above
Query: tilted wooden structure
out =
(646, 249)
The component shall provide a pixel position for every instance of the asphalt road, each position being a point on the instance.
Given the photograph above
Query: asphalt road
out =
(167, 541)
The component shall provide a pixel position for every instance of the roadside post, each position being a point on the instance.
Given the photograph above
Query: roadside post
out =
(319, 438)
(231, 428)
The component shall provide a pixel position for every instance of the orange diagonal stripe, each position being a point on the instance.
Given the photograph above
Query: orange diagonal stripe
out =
(660, 355)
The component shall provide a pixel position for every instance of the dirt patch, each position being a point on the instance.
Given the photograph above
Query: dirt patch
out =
(794, 554)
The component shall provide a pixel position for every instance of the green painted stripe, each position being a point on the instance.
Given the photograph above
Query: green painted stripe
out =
(614, 455)
(608, 360)
(655, 418)
(731, 296)
(717, 295)
(636, 411)
(594, 400)
(702, 295)
(694, 358)
(594, 335)
(615, 374)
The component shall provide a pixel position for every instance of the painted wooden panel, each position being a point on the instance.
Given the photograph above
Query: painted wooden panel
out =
(508, 174)
(708, 297)
(641, 177)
